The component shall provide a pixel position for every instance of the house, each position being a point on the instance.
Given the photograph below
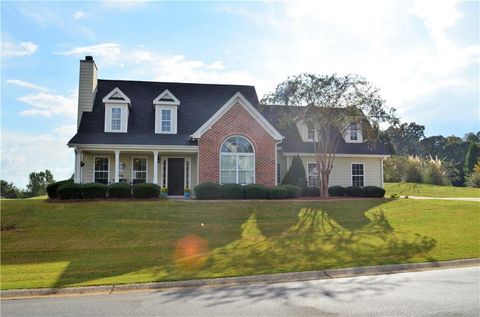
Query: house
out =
(178, 135)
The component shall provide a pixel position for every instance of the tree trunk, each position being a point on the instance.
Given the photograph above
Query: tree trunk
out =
(325, 178)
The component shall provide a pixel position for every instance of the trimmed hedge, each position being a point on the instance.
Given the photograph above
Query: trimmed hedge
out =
(354, 191)
(277, 192)
(120, 190)
(311, 192)
(255, 191)
(52, 188)
(296, 174)
(69, 191)
(146, 190)
(293, 191)
(338, 191)
(208, 190)
(94, 190)
(233, 191)
(374, 191)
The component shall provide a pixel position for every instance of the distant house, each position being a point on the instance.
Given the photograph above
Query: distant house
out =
(178, 135)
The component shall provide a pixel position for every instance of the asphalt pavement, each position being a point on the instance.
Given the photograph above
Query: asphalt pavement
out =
(447, 292)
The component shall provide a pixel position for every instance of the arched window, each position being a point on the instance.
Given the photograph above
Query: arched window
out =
(237, 161)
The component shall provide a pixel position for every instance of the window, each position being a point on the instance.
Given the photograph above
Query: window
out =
(313, 178)
(139, 170)
(310, 133)
(354, 132)
(358, 175)
(278, 174)
(116, 119)
(187, 173)
(166, 121)
(101, 170)
(237, 161)
(164, 173)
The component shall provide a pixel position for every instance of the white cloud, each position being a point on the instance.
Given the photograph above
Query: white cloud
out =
(48, 105)
(124, 5)
(78, 15)
(23, 153)
(11, 49)
(25, 84)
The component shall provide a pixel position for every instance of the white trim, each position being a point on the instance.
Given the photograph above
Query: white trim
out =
(351, 173)
(339, 155)
(240, 99)
(123, 118)
(94, 170)
(158, 101)
(158, 119)
(155, 167)
(116, 90)
(236, 162)
(318, 174)
(146, 166)
(133, 147)
(185, 158)
(347, 135)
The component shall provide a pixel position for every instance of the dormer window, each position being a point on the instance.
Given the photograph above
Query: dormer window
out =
(117, 106)
(166, 108)
(310, 134)
(116, 119)
(353, 133)
(166, 120)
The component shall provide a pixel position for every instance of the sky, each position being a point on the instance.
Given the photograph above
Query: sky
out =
(423, 55)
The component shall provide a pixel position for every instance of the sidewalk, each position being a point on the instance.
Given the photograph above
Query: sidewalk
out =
(441, 198)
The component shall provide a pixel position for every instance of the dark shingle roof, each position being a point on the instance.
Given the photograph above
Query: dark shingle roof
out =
(198, 102)
(293, 142)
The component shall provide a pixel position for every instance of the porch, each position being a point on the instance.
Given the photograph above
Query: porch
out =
(171, 168)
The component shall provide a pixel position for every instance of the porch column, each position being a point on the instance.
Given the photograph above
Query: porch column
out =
(76, 177)
(117, 165)
(155, 167)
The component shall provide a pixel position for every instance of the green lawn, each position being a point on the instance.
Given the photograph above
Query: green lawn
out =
(428, 190)
(91, 243)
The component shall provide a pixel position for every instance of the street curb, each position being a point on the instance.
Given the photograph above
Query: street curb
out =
(241, 280)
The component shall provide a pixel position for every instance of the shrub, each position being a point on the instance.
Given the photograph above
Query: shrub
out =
(296, 174)
(473, 180)
(120, 190)
(277, 192)
(53, 187)
(94, 190)
(311, 192)
(293, 191)
(338, 191)
(146, 190)
(208, 190)
(354, 191)
(69, 191)
(255, 191)
(233, 191)
(374, 191)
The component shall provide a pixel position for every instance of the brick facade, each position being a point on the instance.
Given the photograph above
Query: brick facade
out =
(237, 121)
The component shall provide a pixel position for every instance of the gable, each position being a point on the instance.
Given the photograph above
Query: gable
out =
(239, 99)
(166, 98)
(116, 96)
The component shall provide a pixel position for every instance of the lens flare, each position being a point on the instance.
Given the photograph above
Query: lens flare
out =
(191, 252)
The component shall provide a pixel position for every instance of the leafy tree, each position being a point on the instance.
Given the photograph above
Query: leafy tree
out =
(433, 146)
(473, 154)
(406, 138)
(472, 137)
(38, 182)
(331, 105)
(473, 180)
(296, 174)
(8, 190)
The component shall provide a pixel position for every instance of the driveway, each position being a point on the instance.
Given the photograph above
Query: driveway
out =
(451, 292)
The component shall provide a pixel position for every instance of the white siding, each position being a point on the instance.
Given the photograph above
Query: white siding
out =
(87, 87)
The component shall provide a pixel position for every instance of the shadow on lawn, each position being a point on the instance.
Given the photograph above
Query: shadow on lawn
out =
(267, 242)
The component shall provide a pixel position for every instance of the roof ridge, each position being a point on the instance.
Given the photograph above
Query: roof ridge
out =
(173, 82)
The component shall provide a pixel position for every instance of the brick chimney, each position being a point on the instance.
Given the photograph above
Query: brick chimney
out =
(87, 86)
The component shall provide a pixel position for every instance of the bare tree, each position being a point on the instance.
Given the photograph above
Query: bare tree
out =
(331, 105)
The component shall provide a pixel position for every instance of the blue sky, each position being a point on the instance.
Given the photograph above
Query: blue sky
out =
(423, 55)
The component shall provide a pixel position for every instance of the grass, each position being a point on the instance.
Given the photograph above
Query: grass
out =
(428, 190)
(111, 242)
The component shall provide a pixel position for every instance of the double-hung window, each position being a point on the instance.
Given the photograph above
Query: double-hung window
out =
(116, 119)
(358, 175)
(166, 120)
(101, 170)
(139, 170)
(353, 131)
(310, 134)
(313, 177)
(237, 161)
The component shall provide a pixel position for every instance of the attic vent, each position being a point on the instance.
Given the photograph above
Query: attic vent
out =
(166, 98)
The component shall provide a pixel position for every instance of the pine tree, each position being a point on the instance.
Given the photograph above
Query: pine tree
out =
(473, 154)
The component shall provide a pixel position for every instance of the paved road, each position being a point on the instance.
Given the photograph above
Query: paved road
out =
(452, 292)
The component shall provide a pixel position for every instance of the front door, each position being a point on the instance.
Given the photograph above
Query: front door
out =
(176, 176)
